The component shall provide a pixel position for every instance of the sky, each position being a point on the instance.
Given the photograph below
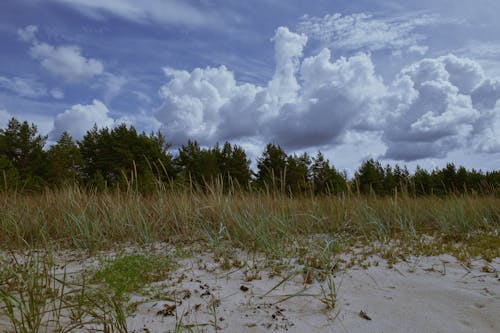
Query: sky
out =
(407, 82)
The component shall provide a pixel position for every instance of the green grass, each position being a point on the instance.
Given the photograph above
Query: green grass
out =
(132, 272)
(263, 222)
(36, 297)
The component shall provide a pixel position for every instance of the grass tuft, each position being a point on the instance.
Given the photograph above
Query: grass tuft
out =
(130, 273)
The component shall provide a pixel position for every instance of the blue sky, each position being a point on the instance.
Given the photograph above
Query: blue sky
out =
(413, 82)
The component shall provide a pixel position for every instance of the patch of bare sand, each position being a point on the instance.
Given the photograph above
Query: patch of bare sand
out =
(424, 294)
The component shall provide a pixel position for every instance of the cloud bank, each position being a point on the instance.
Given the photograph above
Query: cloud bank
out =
(432, 107)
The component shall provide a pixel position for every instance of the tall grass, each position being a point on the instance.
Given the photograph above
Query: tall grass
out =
(262, 221)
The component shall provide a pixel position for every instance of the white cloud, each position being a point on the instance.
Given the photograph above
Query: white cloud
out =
(288, 47)
(78, 119)
(420, 49)
(113, 85)
(194, 102)
(433, 107)
(488, 138)
(140, 121)
(487, 53)
(305, 103)
(486, 95)
(29, 87)
(28, 33)
(435, 112)
(110, 85)
(157, 11)
(334, 97)
(4, 118)
(66, 61)
(464, 73)
(25, 87)
(57, 93)
(364, 32)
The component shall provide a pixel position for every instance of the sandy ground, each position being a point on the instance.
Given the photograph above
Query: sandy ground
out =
(421, 294)
(426, 294)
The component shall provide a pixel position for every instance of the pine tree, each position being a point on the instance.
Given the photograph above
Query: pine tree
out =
(297, 173)
(64, 161)
(271, 167)
(370, 177)
(21, 144)
(325, 178)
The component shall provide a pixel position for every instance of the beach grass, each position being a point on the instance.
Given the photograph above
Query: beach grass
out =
(265, 222)
(296, 236)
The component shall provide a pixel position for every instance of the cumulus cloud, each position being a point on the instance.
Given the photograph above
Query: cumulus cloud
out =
(142, 121)
(364, 32)
(432, 107)
(488, 138)
(486, 95)
(307, 101)
(78, 119)
(288, 48)
(435, 111)
(194, 102)
(209, 105)
(65, 61)
(334, 96)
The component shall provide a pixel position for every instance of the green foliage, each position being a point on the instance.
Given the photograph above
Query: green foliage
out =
(196, 165)
(122, 157)
(233, 165)
(199, 166)
(129, 273)
(298, 173)
(272, 167)
(21, 144)
(369, 178)
(125, 159)
(64, 161)
(325, 179)
(9, 175)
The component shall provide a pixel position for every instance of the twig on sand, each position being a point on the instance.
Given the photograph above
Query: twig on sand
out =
(363, 315)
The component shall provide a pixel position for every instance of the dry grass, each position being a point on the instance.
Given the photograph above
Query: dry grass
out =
(262, 222)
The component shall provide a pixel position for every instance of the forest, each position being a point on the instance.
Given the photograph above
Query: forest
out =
(123, 158)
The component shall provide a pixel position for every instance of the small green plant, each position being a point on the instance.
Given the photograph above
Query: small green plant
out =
(25, 292)
(130, 273)
(329, 293)
(35, 297)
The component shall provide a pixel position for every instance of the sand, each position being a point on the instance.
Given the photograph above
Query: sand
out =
(425, 294)
(420, 294)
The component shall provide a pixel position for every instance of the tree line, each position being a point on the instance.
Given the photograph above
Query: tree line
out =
(123, 158)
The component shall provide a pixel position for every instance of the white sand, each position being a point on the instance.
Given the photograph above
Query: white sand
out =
(431, 294)
(423, 294)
